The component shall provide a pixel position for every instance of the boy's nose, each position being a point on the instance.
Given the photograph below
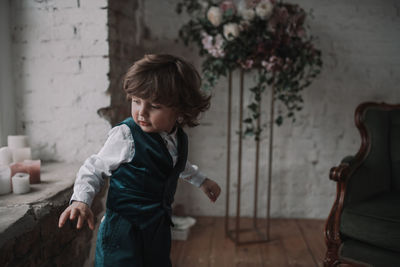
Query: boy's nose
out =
(142, 111)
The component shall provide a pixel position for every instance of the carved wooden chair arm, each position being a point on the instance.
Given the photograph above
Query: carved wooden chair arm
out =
(339, 173)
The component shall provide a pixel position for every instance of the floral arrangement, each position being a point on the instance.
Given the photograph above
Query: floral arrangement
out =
(267, 35)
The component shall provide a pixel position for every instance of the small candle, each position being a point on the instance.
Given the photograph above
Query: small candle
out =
(17, 167)
(5, 182)
(20, 183)
(21, 154)
(5, 156)
(33, 168)
(17, 141)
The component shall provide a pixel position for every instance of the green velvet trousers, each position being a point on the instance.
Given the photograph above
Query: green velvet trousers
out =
(121, 244)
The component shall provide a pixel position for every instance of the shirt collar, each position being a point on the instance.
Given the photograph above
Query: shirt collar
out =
(172, 134)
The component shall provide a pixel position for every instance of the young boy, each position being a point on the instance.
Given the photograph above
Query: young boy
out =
(143, 156)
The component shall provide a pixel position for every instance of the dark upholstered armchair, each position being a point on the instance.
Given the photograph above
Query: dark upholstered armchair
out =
(363, 227)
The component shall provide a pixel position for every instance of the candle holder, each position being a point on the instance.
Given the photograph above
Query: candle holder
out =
(255, 234)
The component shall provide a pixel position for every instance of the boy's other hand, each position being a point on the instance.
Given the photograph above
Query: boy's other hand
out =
(211, 189)
(80, 210)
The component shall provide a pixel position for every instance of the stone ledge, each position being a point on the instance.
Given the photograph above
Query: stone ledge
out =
(20, 213)
(29, 233)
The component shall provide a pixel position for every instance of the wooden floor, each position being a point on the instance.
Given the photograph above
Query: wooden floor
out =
(294, 242)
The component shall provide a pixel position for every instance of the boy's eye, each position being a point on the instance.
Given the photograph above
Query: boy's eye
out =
(134, 100)
(155, 106)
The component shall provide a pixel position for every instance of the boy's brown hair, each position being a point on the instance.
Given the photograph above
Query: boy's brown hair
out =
(170, 81)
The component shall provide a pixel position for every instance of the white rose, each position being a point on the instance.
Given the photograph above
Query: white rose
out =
(231, 31)
(264, 9)
(214, 15)
(247, 14)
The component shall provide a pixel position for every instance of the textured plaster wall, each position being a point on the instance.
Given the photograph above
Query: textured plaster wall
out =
(359, 42)
(60, 55)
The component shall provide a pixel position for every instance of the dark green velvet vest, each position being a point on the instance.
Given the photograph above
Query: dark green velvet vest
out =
(143, 190)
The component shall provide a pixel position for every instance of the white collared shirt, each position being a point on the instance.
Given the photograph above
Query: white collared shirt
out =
(120, 148)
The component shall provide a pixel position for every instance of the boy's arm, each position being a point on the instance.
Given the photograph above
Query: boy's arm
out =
(211, 189)
(197, 178)
(77, 210)
(192, 174)
(118, 149)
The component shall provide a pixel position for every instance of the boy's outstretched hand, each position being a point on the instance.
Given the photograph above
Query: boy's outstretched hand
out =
(80, 210)
(211, 189)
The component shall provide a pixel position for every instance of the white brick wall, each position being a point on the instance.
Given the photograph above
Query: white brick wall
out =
(7, 96)
(60, 73)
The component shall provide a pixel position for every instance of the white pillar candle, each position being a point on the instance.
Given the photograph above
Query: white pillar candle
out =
(5, 180)
(17, 141)
(20, 183)
(5, 156)
(21, 154)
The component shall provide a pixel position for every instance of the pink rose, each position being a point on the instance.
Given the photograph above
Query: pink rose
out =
(288, 64)
(273, 64)
(227, 6)
(213, 45)
(268, 66)
(247, 64)
(207, 41)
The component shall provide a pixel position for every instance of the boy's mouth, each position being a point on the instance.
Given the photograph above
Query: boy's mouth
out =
(143, 123)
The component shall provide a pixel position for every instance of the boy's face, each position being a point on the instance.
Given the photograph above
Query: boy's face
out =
(152, 117)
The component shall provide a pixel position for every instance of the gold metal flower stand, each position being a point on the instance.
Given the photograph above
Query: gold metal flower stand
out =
(240, 229)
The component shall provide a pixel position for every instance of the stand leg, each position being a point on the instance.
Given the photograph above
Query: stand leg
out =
(256, 171)
(239, 184)
(228, 154)
(271, 135)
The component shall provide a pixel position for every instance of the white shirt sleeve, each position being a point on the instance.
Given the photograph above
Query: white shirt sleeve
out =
(192, 174)
(119, 148)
